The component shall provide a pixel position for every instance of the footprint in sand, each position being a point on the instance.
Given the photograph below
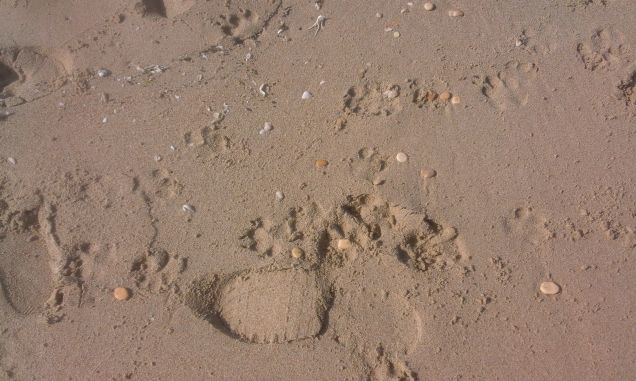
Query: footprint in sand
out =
(27, 74)
(367, 164)
(528, 225)
(163, 8)
(509, 88)
(294, 298)
(241, 23)
(372, 99)
(606, 50)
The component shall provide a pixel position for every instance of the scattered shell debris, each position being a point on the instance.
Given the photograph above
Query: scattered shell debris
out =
(549, 288)
(306, 95)
(343, 244)
(297, 252)
(455, 13)
(427, 173)
(429, 6)
(279, 196)
(188, 208)
(401, 157)
(121, 293)
(321, 163)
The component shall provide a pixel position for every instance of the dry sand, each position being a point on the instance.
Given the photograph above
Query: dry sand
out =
(195, 190)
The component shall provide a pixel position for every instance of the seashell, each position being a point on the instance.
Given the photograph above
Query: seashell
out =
(306, 95)
(455, 13)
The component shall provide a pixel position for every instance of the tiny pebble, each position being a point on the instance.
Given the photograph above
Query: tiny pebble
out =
(279, 196)
(455, 100)
(549, 288)
(427, 173)
(121, 293)
(297, 252)
(321, 163)
(378, 181)
(157, 158)
(173, 148)
(396, 34)
(344, 244)
(105, 120)
(401, 157)
(429, 6)
(455, 13)
(378, 15)
(444, 96)
(267, 127)
(306, 95)
(187, 208)
(11, 160)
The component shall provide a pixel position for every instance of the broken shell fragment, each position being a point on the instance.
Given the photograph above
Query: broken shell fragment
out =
(306, 95)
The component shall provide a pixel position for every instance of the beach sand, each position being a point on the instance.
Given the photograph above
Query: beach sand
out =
(331, 190)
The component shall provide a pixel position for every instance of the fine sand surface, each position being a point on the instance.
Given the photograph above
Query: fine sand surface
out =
(215, 190)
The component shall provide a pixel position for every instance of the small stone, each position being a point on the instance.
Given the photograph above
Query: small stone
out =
(321, 163)
(401, 157)
(297, 252)
(444, 96)
(267, 127)
(455, 13)
(455, 100)
(306, 95)
(279, 196)
(11, 160)
(427, 173)
(157, 158)
(549, 288)
(378, 15)
(105, 119)
(187, 208)
(396, 34)
(343, 244)
(121, 293)
(429, 6)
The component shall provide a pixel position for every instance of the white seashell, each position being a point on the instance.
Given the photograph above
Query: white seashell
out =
(267, 127)
(11, 160)
(306, 95)
(279, 196)
(401, 157)
(455, 13)
(188, 208)
(263, 89)
(103, 73)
